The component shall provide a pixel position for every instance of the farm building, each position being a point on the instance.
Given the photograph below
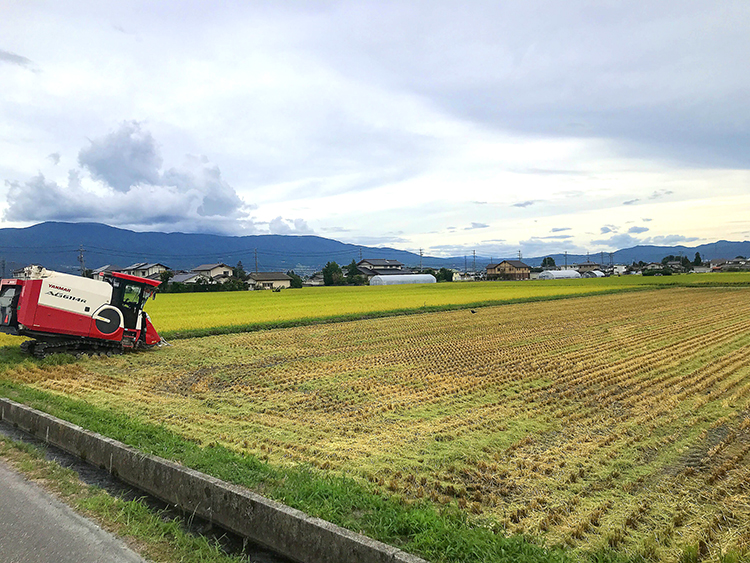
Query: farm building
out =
(269, 280)
(559, 275)
(400, 279)
(381, 267)
(508, 270)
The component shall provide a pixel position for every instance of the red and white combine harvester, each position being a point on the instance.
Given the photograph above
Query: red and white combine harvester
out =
(65, 313)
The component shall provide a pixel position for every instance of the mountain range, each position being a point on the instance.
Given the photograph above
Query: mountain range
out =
(62, 246)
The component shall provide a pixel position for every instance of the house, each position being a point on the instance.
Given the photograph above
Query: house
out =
(508, 270)
(215, 272)
(464, 276)
(381, 267)
(315, 280)
(269, 280)
(106, 269)
(145, 269)
(186, 277)
(736, 265)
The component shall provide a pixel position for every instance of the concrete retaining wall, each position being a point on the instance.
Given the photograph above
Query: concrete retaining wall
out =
(282, 529)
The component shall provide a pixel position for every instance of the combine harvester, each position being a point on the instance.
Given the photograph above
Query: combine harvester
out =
(65, 313)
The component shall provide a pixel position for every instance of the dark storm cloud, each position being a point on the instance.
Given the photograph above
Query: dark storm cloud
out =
(12, 58)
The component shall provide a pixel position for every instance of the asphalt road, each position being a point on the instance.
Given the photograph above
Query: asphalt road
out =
(37, 528)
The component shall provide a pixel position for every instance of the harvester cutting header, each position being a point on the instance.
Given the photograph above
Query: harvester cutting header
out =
(65, 313)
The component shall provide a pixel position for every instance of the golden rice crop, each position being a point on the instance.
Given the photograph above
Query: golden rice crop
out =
(615, 420)
(179, 312)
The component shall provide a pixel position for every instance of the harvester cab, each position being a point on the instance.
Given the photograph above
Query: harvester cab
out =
(66, 313)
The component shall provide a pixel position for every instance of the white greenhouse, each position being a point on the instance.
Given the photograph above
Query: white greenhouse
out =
(399, 279)
(594, 274)
(559, 275)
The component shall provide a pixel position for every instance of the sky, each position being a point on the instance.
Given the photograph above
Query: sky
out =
(443, 126)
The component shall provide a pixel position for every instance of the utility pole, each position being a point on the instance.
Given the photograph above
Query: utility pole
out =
(475, 261)
(602, 261)
(566, 259)
(420, 259)
(81, 260)
(256, 260)
(519, 255)
(360, 254)
(465, 266)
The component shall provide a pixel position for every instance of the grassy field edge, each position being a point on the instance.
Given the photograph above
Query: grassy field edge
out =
(143, 529)
(445, 535)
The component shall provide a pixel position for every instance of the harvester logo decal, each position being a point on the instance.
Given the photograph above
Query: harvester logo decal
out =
(59, 287)
(62, 295)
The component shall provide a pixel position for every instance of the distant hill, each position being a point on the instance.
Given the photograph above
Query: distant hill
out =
(57, 245)
(647, 253)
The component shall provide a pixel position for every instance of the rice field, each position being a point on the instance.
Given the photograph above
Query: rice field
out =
(174, 314)
(612, 421)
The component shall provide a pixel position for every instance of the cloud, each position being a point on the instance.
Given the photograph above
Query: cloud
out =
(476, 226)
(631, 201)
(627, 241)
(378, 240)
(12, 58)
(646, 220)
(54, 157)
(524, 203)
(560, 229)
(618, 241)
(281, 226)
(608, 229)
(131, 191)
(668, 240)
(660, 193)
(124, 158)
(638, 230)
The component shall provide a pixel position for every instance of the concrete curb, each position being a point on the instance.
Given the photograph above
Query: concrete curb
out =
(285, 530)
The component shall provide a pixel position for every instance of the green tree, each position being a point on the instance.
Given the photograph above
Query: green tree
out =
(239, 271)
(697, 261)
(296, 280)
(444, 274)
(353, 276)
(332, 274)
(165, 276)
(548, 262)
